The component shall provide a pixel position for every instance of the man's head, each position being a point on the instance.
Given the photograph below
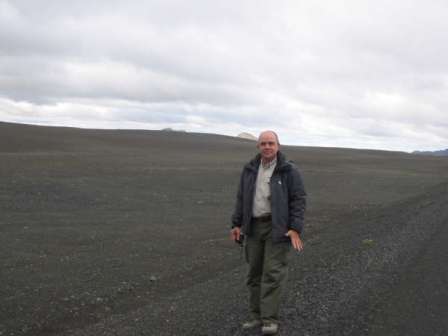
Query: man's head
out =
(268, 145)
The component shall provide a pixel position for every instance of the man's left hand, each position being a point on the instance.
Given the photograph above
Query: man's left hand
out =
(296, 242)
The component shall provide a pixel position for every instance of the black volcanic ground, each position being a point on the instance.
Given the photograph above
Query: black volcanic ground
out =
(126, 233)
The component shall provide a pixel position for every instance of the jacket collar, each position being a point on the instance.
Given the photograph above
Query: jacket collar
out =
(282, 163)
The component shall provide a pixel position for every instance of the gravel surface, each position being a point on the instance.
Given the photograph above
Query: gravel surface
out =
(332, 290)
(126, 233)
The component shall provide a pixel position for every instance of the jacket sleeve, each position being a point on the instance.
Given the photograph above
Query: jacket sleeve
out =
(237, 216)
(296, 200)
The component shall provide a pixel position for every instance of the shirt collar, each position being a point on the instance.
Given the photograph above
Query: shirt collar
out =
(269, 164)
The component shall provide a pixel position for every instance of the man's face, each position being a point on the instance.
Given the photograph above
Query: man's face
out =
(268, 146)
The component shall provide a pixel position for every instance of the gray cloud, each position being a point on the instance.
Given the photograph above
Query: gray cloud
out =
(357, 74)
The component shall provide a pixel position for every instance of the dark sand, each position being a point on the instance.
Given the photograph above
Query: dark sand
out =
(126, 233)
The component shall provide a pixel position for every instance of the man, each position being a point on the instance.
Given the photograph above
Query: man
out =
(269, 212)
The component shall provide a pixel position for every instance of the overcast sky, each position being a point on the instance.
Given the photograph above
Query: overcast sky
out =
(361, 74)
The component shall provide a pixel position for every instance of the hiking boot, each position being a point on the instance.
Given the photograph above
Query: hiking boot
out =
(269, 328)
(251, 324)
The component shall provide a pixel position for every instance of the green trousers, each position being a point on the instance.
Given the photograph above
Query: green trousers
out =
(268, 269)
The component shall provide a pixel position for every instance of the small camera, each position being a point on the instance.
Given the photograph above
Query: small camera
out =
(241, 240)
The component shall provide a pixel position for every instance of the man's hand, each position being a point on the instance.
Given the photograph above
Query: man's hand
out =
(235, 233)
(295, 240)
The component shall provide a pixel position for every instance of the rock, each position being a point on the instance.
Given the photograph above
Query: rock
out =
(247, 136)
(368, 242)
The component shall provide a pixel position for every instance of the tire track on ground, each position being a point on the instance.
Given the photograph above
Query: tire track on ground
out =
(335, 288)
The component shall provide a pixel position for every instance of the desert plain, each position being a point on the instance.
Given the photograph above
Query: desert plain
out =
(126, 232)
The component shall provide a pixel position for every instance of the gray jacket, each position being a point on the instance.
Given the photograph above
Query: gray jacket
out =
(287, 198)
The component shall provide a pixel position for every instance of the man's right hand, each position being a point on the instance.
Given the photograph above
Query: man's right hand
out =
(235, 233)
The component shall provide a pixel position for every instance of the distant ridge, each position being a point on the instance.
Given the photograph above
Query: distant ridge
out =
(247, 136)
(169, 129)
(443, 152)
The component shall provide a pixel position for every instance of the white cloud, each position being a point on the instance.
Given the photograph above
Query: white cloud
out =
(352, 73)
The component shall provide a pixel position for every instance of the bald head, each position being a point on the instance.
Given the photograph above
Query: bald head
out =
(269, 132)
(268, 145)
